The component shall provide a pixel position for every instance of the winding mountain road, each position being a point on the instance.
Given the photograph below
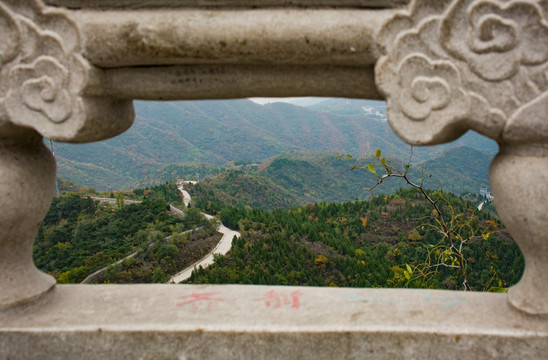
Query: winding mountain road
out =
(222, 247)
(186, 195)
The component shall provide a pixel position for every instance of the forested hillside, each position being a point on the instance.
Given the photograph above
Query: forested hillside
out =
(280, 174)
(298, 178)
(460, 170)
(239, 189)
(361, 243)
(79, 236)
(370, 108)
(369, 243)
(185, 171)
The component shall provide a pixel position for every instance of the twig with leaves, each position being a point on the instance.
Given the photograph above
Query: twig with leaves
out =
(456, 230)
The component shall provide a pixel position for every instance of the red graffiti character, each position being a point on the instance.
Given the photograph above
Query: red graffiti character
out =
(196, 299)
(276, 299)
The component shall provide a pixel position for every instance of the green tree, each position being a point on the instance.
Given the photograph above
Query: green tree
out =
(159, 276)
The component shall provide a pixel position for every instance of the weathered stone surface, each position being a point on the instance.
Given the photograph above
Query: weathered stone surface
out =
(257, 322)
(258, 37)
(447, 66)
(147, 4)
(27, 185)
(519, 182)
(450, 66)
(235, 81)
(42, 77)
(231, 53)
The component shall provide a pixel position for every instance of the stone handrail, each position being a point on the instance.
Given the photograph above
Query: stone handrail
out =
(69, 70)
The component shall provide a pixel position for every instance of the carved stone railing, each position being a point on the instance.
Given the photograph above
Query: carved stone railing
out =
(451, 66)
(70, 69)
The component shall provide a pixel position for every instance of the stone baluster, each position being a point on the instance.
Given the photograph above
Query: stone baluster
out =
(27, 185)
(454, 65)
(519, 181)
(42, 77)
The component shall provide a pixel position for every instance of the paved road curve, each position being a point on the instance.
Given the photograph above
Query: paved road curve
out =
(222, 248)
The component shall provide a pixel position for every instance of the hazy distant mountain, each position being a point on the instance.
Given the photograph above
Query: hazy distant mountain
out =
(297, 101)
(215, 132)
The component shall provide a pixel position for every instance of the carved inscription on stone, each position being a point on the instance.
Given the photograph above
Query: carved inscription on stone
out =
(454, 65)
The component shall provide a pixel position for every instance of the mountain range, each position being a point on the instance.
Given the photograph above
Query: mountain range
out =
(201, 137)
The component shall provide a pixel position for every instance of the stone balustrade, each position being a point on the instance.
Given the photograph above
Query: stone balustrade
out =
(69, 70)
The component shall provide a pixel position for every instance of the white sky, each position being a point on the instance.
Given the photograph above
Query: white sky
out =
(263, 101)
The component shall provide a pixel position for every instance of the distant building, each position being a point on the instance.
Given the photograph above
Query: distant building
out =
(485, 193)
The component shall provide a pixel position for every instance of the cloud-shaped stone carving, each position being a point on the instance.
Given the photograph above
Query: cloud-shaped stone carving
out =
(425, 98)
(481, 61)
(43, 78)
(431, 89)
(494, 37)
(40, 87)
(9, 46)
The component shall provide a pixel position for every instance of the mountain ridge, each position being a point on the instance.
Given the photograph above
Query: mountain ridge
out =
(297, 178)
(219, 131)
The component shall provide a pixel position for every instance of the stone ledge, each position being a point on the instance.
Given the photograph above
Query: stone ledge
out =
(301, 37)
(147, 4)
(198, 321)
